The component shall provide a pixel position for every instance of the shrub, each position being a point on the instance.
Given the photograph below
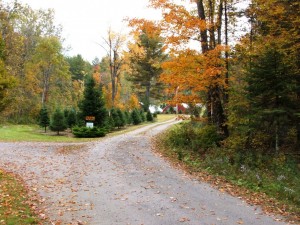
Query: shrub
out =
(149, 116)
(195, 135)
(142, 115)
(86, 132)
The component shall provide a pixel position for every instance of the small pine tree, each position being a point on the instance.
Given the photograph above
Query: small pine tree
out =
(58, 121)
(115, 116)
(44, 119)
(122, 118)
(142, 115)
(135, 116)
(128, 117)
(149, 116)
(110, 124)
(71, 119)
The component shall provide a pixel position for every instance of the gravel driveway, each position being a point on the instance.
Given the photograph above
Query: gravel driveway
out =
(119, 180)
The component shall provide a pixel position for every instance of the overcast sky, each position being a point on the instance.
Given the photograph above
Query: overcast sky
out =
(86, 22)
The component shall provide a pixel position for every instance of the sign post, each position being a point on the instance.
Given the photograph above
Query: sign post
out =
(89, 121)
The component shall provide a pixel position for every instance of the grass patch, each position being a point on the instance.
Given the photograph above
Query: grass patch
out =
(270, 181)
(36, 134)
(14, 203)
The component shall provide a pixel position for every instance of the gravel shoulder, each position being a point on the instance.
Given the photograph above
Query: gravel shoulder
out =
(119, 180)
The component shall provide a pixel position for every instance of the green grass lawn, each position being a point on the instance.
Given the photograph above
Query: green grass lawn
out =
(36, 133)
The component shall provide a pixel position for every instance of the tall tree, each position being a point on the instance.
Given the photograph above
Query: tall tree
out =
(78, 67)
(145, 58)
(113, 46)
(198, 21)
(273, 108)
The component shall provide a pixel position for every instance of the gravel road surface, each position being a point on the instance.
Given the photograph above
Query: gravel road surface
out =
(119, 180)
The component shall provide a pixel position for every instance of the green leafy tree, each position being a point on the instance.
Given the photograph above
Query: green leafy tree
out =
(58, 122)
(78, 67)
(44, 120)
(93, 103)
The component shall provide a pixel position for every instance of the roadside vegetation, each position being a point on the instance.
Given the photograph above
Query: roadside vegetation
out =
(270, 180)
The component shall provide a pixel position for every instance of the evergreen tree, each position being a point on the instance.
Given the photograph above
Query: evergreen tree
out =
(115, 117)
(270, 92)
(149, 116)
(58, 121)
(135, 116)
(146, 63)
(122, 118)
(128, 117)
(71, 119)
(93, 103)
(142, 115)
(44, 119)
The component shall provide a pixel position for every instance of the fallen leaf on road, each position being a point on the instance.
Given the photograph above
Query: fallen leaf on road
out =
(184, 219)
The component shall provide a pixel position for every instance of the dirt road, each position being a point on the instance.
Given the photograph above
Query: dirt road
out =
(119, 180)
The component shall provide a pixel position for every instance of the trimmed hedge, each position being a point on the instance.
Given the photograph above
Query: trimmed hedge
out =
(86, 132)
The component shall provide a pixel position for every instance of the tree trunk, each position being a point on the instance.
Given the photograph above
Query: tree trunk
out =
(203, 33)
(219, 23)
(212, 40)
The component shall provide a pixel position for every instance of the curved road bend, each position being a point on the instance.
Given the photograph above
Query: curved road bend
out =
(119, 180)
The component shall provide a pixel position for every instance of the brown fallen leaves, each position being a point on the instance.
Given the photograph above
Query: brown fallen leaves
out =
(70, 149)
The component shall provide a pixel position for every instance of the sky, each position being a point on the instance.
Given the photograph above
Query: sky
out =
(85, 23)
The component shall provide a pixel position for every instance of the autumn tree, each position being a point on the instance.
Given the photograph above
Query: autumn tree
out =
(201, 74)
(28, 36)
(113, 44)
(146, 55)
(49, 65)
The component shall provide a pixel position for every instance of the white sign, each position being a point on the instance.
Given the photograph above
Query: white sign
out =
(89, 124)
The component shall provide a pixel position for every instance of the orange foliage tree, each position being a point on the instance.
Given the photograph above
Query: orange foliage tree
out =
(197, 74)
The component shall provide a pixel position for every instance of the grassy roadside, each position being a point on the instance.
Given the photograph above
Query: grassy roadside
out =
(36, 134)
(14, 202)
(211, 166)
